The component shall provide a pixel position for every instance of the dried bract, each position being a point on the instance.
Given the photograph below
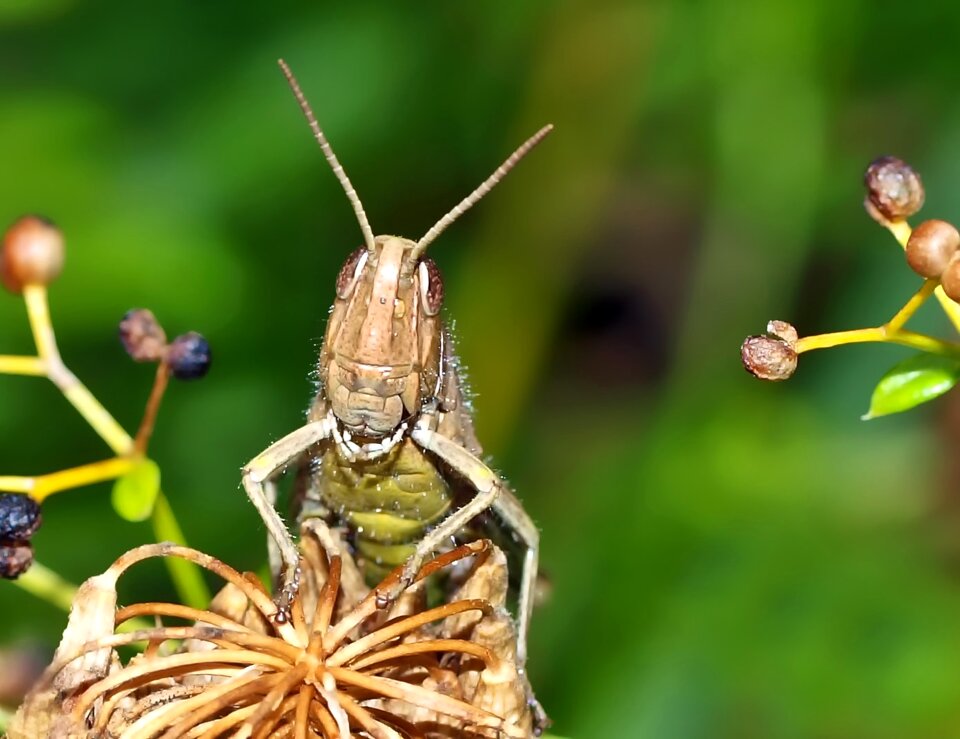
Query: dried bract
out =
(342, 666)
(768, 358)
(15, 558)
(893, 188)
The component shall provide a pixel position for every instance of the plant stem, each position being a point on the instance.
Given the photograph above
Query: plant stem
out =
(883, 335)
(47, 585)
(186, 576)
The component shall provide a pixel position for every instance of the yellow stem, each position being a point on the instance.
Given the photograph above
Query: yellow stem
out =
(906, 312)
(38, 313)
(75, 477)
(901, 232)
(47, 585)
(862, 335)
(22, 366)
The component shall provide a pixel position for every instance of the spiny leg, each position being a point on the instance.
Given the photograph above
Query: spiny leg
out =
(255, 474)
(491, 493)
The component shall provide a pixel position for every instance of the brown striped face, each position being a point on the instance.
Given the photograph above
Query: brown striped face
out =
(381, 354)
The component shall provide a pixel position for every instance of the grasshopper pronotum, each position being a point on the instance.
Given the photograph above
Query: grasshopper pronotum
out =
(389, 447)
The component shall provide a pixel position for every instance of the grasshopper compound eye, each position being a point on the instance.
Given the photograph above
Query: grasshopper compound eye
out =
(431, 286)
(350, 272)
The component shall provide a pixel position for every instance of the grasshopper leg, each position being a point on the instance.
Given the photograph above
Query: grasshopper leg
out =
(491, 493)
(256, 481)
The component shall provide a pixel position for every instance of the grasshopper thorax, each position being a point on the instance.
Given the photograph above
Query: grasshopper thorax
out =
(382, 350)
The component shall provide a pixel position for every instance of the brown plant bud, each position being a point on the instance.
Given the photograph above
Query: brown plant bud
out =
(950, 279)
(931, 246)
(15, 558)
(893, 188)
(768, 358)
(142, 336)
(32, 253)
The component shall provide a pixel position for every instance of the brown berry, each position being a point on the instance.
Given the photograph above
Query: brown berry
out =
(950, 279)
(931, 246)
(768, 358)
(142, 336)
(32, 253)
(15, 558)
(893, 188)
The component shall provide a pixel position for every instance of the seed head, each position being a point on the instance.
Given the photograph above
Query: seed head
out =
(768, 358)
(893, 188)
(19, 517)
(189, 356)
(931, 246)
(32, 253)
(142, 336)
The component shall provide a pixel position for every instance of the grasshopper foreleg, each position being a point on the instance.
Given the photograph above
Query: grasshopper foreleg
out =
(491, 493)
(257, 476)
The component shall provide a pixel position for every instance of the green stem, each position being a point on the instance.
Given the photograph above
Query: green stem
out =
(47, 585)
(188, 581)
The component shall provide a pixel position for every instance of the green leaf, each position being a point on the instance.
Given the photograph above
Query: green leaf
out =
(135, 494)
(912, 382)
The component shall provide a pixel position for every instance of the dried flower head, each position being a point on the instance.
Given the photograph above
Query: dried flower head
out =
(894, 189)
(343, 666)
(771, 357)
(142, 336)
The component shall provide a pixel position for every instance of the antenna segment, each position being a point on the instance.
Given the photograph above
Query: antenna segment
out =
(488, 184)
(330, 156)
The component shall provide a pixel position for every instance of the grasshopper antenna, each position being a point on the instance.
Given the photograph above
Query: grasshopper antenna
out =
(330, 156)
(488, 184)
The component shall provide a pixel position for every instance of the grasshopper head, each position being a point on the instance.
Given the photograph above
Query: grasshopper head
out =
(381, 353)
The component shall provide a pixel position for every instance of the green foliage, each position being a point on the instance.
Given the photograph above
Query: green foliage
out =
(729, 559)
(911, 382)
(135, 494)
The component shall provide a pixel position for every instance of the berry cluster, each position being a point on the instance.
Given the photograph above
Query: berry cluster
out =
(31, 257)
(187, 356)
(894, 192)
(19, 520)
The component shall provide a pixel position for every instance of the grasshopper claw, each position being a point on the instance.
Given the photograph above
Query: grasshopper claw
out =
(287, 594)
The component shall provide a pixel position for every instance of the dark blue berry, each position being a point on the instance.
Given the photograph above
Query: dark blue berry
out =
(189, 356)
(19, 516)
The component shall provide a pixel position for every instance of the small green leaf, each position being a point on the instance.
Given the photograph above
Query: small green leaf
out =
(912, 382)
(135, 493)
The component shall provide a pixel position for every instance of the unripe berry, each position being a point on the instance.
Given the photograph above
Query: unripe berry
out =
(15, 559)
(931, 246)
(32, 253)
(189, 356)
(950, 279)
(893, 188)
(19, 516)
(143, 338)
(767, 358)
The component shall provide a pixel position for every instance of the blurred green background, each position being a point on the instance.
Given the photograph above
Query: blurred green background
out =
(729, 559)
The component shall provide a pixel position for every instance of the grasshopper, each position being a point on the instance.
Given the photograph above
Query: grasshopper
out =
(389, 450)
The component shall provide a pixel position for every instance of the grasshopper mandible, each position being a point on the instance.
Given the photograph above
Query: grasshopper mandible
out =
(389, 445)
